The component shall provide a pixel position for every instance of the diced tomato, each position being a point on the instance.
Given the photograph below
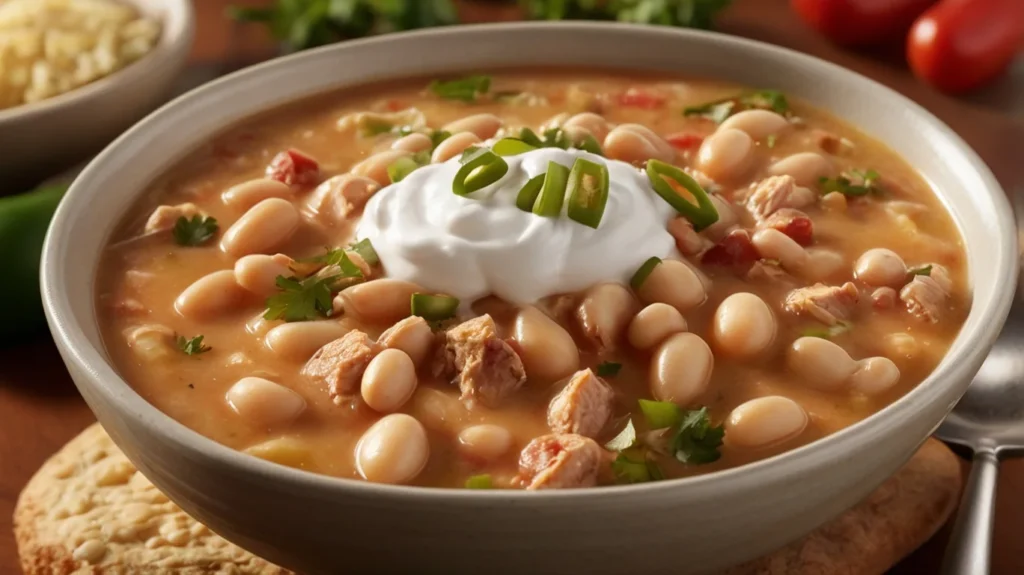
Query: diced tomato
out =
(685, 140)
(800, 229)
(735, 249)
(394, 105)
(636, 98)
(294, 168)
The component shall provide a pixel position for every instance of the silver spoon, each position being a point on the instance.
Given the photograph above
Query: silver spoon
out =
(989, 420)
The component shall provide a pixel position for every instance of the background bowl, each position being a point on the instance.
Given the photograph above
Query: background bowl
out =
(318, 524)
(42, 138)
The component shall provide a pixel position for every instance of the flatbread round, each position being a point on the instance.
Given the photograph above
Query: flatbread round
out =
(87, 510)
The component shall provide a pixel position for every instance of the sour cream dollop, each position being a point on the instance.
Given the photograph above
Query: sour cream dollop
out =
(482, 244)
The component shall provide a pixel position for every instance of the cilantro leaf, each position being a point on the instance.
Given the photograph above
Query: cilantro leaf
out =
(921, 271)
(194, 232)
(696, 440)
(332, 257)
(479, 482)
(852, 183)
(301, 300)
(463, 89)
(609, 369)
(635, 468)
(192, 346)
(828, 332)
(718, 110)
(624, 440)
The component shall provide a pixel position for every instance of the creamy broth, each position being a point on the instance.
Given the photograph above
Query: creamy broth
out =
(144, 272)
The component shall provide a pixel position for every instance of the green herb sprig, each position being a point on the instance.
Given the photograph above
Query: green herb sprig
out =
(192, 346)
(195, 231)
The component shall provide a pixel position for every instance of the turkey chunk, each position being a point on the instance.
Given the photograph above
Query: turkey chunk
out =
(582, 407)
(560, 461)
(827, 304)
(487, 368)
(164, 217)
(340, 364)
(777, 192)
(926, 295)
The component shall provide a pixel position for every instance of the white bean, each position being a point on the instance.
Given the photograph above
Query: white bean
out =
(821, 363)
(453, 146)
(248, 194)
(298, 341)
(264, 403)
(805, 167)
(726, 155)
(881, 267)
(874, 375)
(823, 264)
(547, 350)
(771, 244)
(674, 283)
(378, 301)
(681, 369)
(594, 124)
(258, 272)
(758, 124)
(264, 227)
(393, 450)
(389, 381)
(412, 143)
(411, 335)
(210, 295)
(635, 144)
(765, 421)
(483, 126)
(654, 324)
(376, 166)
(486, 441)
(744, 326)
(605, 312)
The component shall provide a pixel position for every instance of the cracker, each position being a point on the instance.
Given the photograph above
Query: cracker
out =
(88, 511)
(878, 532)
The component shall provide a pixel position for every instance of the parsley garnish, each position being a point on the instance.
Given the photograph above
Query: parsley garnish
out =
(921, 271)
(301, 300)
(193, 346)
(332, 257)
(852, 183)
(718, 110)
(609, 369)
(479, 482)
(465, 89)
(692, 437)
(685, 13)
(195, 231)
(828, 332)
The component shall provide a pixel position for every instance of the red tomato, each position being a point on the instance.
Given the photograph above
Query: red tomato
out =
(684, 140)
(959, 45)
(735, 249)
(860, 22)
(294, 168)
(637, 98)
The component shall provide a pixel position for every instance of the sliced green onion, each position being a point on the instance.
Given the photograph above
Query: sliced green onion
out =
(479, 171)
(400, 168)
(468, 154)
(590, 144)
(624, 440)
(479, 482)
(552, 193)
(701, 215)
(434, 307)
(365, 250)
(530, 137)
(528, 194)
(660, 414)
(588, 192)
(645, 270)
(511, 147)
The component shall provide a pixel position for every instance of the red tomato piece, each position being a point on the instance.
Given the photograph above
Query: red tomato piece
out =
(294, 168)
(637, 98)
(735, 249)
(860, 22)
(960, 45)
(794, 224)
(685, 140)
(394, 105)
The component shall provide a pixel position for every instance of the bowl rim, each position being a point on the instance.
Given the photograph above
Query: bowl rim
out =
(171, 43)
(103, 378)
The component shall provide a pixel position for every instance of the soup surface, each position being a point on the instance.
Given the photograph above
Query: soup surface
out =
(544, 279)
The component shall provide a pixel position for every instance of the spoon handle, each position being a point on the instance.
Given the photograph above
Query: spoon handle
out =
(969, 547)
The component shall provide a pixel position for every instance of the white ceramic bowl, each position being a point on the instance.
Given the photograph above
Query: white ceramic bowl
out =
(318, 524)
(41, 138)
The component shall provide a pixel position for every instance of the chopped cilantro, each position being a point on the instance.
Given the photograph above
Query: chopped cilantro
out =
(828, 332)
(192, 346)
(692, 437)
(302, 300)
(465, 89)
(852, 183)
(195, 231)
(921, 271)
(718, 110)
(370, 126)
(609, 369)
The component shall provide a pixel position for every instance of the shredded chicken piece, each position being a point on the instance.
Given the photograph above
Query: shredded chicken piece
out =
(926, 295)
(560, 461)
(340, 364)
(776, 192)
(164, 217)
(827, 304)
(487, 367)
(583, 406)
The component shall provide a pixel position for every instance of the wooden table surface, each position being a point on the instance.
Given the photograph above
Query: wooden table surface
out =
(40, 409)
